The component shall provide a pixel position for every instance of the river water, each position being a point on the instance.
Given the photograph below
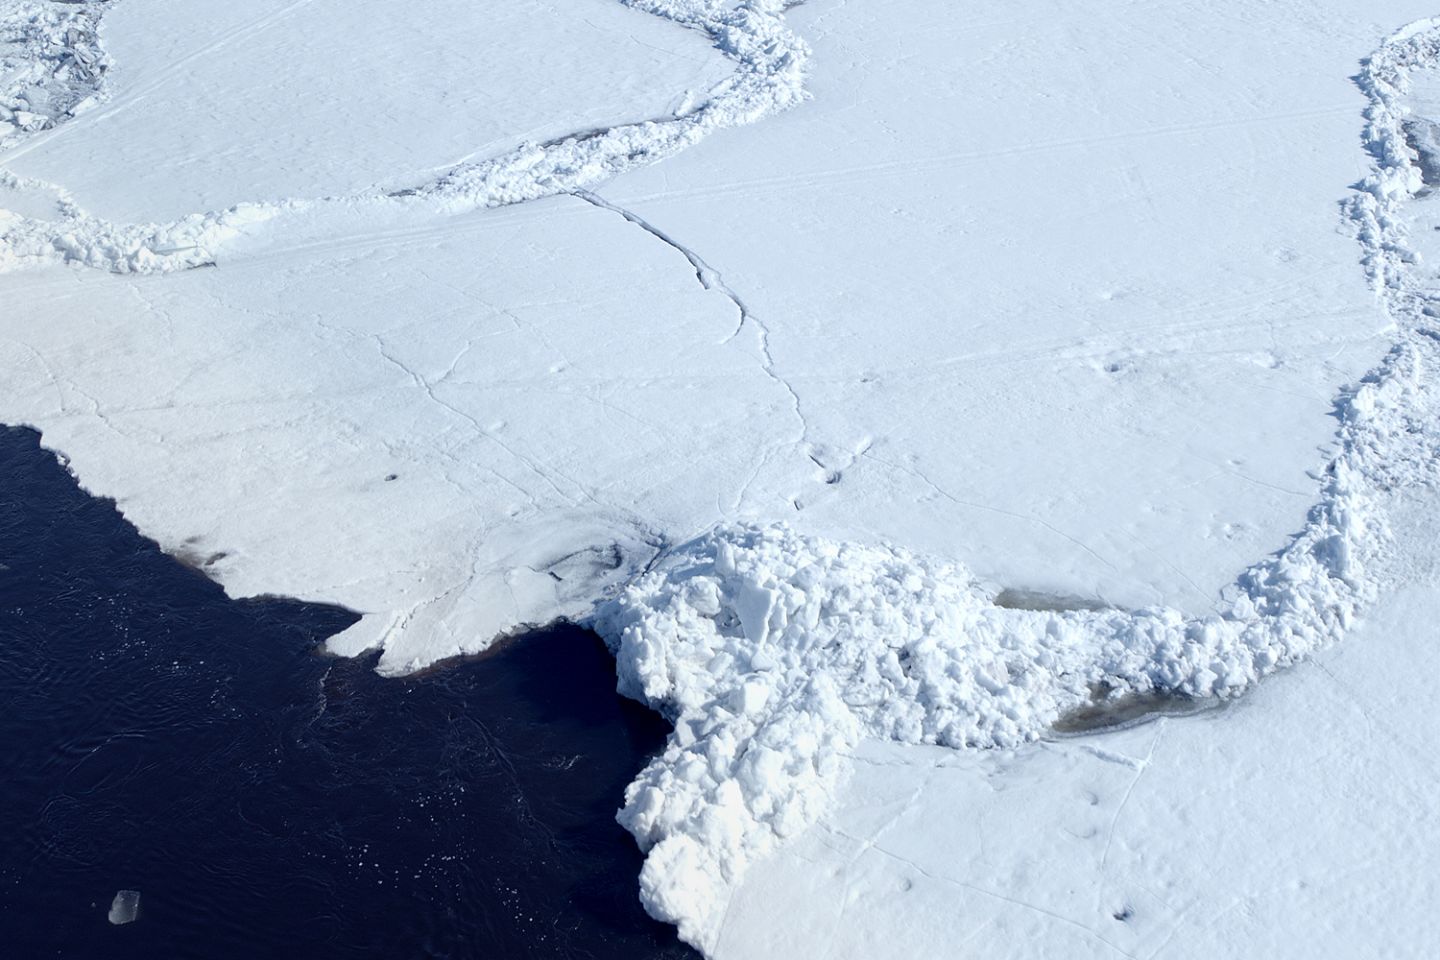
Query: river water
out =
(266, 800)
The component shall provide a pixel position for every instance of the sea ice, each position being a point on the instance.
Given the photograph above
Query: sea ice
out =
(1058, 304)
(125, 907)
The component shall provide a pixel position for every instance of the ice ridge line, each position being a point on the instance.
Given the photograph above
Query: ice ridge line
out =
(775, 653)
(770, 68)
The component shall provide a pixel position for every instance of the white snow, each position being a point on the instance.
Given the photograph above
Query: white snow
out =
(1298, 821)
(1049, 310)
(293, 99)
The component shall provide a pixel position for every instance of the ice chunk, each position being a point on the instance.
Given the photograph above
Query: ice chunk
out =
(125, 907)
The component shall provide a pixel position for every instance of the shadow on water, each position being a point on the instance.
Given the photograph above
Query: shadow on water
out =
(267, 800)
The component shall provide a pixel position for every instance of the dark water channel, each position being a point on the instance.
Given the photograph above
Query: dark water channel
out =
(269, 801)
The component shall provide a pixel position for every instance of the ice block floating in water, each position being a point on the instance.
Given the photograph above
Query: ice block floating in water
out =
(125, 908)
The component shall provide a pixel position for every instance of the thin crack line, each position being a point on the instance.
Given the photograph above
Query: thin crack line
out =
(711, 279)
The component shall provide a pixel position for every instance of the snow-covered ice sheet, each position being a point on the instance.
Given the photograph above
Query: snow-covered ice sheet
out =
(518, 310)
(1065, 293)
(472, 440)
(213, 104)
(1297, 822)
(1099, 305)
(765, 60)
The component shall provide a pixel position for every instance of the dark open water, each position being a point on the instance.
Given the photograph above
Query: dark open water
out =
(269, 801)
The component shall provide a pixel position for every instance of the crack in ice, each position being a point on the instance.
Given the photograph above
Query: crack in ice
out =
(711, 279)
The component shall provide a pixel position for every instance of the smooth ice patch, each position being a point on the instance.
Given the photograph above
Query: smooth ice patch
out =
(125, 908)
(213, 104)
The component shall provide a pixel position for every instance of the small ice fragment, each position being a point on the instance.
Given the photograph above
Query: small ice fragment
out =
(125, 906)
(751, 697)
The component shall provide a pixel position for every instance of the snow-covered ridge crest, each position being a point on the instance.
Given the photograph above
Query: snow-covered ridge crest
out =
(775, 652)
(769, 75)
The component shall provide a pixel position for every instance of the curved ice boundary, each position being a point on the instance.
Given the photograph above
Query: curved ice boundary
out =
(770, 65)
(774, 653)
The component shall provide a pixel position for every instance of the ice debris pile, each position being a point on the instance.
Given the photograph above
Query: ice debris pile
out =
(773, 652)
(51, 64)
(125, 908)
(771, 62)
(770, 66)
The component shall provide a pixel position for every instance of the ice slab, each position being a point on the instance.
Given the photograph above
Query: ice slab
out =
(214, 103)
(486, 418)
(125, 908)
(1066, 293)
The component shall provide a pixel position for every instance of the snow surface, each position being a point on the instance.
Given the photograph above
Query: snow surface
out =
(1296, 822)
(1062, 302)
(312, 98)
